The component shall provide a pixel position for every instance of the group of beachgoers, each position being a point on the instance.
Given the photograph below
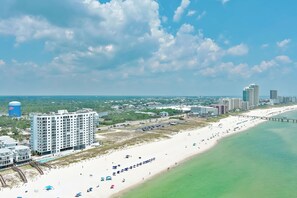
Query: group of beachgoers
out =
(221, 131)
(118, 170)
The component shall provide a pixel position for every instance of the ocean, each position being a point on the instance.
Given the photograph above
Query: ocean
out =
(260, 162)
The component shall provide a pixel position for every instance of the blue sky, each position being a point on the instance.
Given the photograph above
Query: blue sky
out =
(132, 47)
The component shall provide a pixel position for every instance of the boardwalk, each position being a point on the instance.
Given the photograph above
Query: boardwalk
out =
(2, 181)
(274, 119)
(35, 165)
(20, 172)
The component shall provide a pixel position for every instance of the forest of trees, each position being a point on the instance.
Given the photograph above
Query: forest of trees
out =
(45, 104)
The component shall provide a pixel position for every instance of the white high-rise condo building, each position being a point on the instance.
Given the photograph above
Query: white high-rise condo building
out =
(256, 94)
(237, 103)
(56, 132)
(251, 95)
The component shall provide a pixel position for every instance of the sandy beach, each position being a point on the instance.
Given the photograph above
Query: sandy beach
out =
(134, 165)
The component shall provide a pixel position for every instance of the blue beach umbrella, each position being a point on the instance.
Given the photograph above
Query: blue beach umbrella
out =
(49, 187)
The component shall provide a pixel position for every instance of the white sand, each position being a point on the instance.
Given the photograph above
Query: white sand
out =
(76, 178)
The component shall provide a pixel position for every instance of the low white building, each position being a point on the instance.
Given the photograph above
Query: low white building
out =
(147, 113)
(204, 111)
(21, 154)
(164, 114)
(7, 142)
(11, 152)
(6, 157)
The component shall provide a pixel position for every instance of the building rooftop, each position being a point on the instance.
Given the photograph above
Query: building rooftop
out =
(205, 107)
(21, 147)
(16, 103)
(5, 152)
(7, 140)
(4, 137)
(64, 112)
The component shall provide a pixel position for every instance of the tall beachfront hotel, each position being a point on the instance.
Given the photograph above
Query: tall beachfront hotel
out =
(55, 132)
(251, 95)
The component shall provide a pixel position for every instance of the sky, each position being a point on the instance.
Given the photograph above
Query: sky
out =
(147, 47)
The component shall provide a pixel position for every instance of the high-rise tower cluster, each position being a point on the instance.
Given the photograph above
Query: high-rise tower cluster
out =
(251, 95)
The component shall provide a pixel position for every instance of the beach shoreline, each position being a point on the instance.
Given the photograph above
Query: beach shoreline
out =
(67, 181)
(180, 163)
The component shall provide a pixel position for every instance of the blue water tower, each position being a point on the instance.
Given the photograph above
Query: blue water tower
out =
(14, 109)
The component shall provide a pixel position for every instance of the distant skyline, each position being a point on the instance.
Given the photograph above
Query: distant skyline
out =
(133, 47)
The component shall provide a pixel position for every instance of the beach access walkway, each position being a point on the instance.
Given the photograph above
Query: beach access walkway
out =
(2, 181)
(35, 165)
(20, 172)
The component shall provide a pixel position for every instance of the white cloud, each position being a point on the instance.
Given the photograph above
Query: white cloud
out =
(228, 68)
(118, 35)
(283, 43)
(223, 39)
(244, 70)
(275, 63)
(265, 45)
(2, 62)
(187, 50)
(191, 13)
(27, 27)
(226, 42)
(180, 10)
(200, 16)
(263, 66)
(186, 28)
(238, 50)
(122, 38)
(283, 59)
(21, 69)
(224, 1)
(164, 19)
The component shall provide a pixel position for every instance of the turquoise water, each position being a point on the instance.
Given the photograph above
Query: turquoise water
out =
(261, 162)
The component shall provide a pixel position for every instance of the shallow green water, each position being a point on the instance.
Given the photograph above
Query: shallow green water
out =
(261, 162)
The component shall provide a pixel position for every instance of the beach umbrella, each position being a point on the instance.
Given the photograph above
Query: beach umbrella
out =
(49, 187)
